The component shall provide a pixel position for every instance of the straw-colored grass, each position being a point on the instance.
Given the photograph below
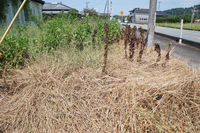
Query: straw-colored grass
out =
(50, 96)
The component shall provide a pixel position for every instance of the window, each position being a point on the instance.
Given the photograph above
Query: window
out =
(143, 18)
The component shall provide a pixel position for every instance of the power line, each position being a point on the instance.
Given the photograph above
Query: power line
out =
(99, 3)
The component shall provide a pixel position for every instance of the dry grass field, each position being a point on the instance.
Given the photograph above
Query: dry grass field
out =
(54, 95)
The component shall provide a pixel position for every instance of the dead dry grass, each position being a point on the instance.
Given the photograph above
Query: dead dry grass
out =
(148, 96)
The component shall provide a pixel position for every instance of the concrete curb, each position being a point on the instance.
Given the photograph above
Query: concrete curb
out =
(185, 41)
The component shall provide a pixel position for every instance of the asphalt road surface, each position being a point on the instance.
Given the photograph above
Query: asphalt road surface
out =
(190, 35)
(184, 52)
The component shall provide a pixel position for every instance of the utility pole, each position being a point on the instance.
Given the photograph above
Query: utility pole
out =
(87, 4)
(159, 6)
(107, 6)
(110, 9)
(152, 21)
(194, 11)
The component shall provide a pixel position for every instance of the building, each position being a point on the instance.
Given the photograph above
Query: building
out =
(141, 16)
(197, 20)
(55, 8)
(160, 14)
(31, 8)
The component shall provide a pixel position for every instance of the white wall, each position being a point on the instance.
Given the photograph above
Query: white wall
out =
(34, 6)
(141, 18)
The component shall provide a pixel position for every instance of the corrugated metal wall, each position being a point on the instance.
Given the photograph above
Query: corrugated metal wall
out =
(34, 9)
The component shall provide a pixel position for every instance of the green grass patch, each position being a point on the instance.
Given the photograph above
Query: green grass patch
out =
(195, 26)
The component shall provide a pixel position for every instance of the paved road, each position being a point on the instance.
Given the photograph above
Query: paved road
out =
(189, 54)
(190, 35)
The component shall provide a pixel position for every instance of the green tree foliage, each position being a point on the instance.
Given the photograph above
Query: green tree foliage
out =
(72, 14)
(175, 19)
(90, 12)
(116, 16)
(181, 11)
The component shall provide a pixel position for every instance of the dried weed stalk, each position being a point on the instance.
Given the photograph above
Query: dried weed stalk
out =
(93, 38)
(127, 38)
(125, 41)
(106, 27)
(158, 50)
(132, 42)
(143, 44)
(146, 40)
(168, 52)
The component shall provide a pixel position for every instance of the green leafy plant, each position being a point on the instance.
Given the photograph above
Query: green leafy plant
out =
(15, 50)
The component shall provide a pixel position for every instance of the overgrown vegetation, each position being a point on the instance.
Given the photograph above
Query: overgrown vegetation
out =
(60, 86)
(54, 34)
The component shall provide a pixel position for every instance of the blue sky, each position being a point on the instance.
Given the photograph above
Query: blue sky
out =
(125, 5)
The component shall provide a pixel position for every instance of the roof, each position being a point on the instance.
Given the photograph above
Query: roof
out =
(160, 13)
(141, 10)
(55, 7)
(39, 1)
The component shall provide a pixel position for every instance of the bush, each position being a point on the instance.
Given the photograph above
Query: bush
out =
(15, 50)
(58, 33)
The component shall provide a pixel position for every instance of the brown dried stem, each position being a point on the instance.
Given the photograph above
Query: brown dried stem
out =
(93, 38)
(132, 43)
(106, 27)
(168, 52)
(157, 49)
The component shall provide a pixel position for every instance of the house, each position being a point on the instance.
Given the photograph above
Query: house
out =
(30, 9)
(141, 16)
(160, 14)
(197, 20)
(55, 8)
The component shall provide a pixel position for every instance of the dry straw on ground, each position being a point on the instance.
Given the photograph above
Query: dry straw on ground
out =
(133, 97)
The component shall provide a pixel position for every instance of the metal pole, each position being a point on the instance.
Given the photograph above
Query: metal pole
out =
(180, 39)
(12, 22)
(152, 21)
(87, 4)
(110, 9)
(192, 19)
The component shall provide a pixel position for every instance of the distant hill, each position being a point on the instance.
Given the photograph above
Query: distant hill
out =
(181, 11)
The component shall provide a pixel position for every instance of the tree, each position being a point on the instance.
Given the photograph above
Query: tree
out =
(72, 14)
(90, 12)
(116, 16)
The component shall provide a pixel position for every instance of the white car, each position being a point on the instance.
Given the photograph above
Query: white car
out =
(125, 21)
